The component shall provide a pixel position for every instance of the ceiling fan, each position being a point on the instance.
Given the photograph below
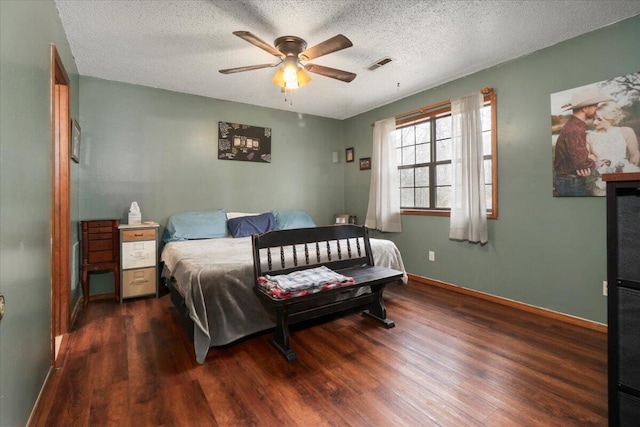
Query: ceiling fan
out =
(292, 51)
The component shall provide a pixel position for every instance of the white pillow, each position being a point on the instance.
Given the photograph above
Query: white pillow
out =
(232, 215)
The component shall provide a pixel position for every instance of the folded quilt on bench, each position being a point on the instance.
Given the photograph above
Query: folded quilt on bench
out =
(303, 282)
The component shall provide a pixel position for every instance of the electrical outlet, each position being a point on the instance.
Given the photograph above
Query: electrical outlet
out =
(432, 256)
(605, 288)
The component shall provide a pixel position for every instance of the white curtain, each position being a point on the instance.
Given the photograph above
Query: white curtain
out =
(383, 213)
(468, 204)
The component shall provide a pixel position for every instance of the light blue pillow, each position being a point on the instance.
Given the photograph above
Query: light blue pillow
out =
(247, 225)
(287, 219)
(196, 225)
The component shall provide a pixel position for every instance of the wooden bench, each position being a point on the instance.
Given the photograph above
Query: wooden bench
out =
(342, 248)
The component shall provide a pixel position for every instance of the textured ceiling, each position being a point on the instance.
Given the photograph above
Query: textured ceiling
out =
(181, 45)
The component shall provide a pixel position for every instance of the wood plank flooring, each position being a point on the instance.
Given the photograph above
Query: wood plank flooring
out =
(451, 360)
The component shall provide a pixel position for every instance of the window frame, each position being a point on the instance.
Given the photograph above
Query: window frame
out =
(438, 110)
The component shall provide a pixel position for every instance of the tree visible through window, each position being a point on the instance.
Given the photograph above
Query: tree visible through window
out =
(423, 147)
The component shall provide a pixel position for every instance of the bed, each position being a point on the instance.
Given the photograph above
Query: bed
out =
(211, 278)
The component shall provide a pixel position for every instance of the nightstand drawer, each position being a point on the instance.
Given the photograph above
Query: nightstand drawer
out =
(100, 245)
(101, 256)
(100, 236)
(138, 254)
(139, 282)
(135, 235)
(92, 225)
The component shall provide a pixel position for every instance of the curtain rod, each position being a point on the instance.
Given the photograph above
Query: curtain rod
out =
(422, 110)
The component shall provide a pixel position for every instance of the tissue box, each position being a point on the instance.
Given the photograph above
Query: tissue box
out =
(135, 218)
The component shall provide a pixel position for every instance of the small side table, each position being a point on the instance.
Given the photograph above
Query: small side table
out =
(100, 252)
(138, 260)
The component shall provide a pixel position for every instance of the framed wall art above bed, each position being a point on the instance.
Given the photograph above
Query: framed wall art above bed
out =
(244, 142)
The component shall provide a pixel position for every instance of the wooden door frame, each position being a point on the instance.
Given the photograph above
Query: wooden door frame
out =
(61, 205)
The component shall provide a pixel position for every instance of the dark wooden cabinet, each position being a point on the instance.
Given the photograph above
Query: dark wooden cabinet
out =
(623, 307)
(100, 251)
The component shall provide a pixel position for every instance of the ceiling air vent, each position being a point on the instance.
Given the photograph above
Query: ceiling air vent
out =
(378, 64)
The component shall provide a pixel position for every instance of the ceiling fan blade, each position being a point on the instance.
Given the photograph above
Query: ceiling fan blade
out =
(344, 76)
(248, 68)
(333, 44)
(246, 35)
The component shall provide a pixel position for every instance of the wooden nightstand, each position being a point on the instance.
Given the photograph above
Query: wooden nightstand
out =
(100, 251)
(139, 261)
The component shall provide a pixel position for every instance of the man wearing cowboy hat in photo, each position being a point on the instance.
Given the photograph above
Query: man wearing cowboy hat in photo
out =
(573, 161)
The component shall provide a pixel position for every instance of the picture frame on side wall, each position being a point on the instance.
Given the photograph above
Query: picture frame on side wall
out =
(349, 155)
(595, 130)
(365, 163)
(74, 147)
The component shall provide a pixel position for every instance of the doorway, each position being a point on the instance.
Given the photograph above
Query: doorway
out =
(60, 211)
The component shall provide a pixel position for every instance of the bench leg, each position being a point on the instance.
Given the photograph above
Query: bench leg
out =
(377, 309)
(281, 338)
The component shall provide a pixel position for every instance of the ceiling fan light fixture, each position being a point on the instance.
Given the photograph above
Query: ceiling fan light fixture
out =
(284, 83)
(278, 78)
(290, 68)
(291, 76)
(303, 77)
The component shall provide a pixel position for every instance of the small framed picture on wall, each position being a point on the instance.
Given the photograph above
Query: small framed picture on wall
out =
(74, 148)
(349, 156)
(365, 163)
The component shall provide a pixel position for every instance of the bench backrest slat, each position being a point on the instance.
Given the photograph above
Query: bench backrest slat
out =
(333, 248)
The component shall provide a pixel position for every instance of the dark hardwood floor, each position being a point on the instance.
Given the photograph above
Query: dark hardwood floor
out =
(452, 360)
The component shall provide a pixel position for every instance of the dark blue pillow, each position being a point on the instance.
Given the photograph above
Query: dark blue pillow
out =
(248, 225)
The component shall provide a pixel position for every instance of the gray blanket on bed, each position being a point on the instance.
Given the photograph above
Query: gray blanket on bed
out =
(215, 278)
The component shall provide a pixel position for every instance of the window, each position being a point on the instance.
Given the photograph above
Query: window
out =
(423, 146)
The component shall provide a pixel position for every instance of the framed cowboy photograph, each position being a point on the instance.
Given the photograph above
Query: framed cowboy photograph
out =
(594, 130)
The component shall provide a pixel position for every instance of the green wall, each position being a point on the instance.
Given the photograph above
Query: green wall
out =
(27, 29)
(159, 148)
(544, 251)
